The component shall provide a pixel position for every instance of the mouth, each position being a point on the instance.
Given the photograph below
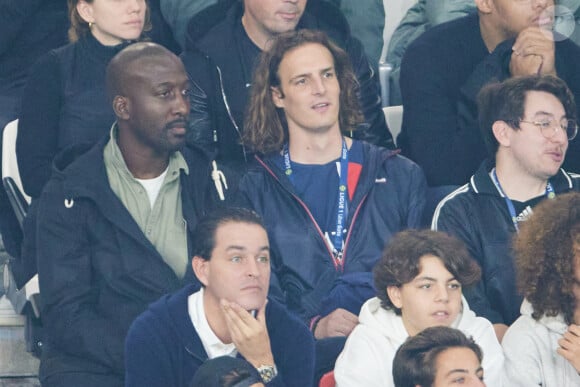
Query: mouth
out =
(556, 156)
(545, 20)
(134, 23)
(252, 288)
(321, 107)
(289, 15)
(178, 128)
(441, 315)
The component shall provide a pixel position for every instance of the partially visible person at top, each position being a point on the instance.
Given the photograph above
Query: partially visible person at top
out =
(224, 43)
(64, 101)
(444, 69)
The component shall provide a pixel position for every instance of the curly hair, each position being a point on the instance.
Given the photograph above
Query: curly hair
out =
(401, 261)
(79, 27)
(546, 250)
(265, 126)
(505, 101)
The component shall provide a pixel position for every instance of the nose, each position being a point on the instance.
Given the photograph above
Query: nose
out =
(181, 104)
(136, 6)
(442, 294)
(318, 86)
(252, 269)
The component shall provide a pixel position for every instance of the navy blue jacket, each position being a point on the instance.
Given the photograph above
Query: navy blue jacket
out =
(389, 197)
(97, 270)
(164, 350)
(478, 215)
(221, 78)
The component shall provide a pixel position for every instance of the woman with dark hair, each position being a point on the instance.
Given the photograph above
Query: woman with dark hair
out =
(64, 101)
(542, 348)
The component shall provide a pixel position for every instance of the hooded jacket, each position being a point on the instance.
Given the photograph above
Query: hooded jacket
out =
(221, 78)
(97, 270)
(389, 197)
(477, 214)
(164, 349)
(368, 354)
(530, 347)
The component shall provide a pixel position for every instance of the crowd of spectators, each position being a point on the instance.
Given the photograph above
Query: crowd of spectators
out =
(216, 179)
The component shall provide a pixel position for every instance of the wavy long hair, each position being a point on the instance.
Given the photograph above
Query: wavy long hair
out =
(547, 250)
(265, 126)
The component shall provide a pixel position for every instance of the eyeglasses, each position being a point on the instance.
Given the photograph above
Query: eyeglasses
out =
(550, 126)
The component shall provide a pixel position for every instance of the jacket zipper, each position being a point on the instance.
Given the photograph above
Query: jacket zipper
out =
(338, 265)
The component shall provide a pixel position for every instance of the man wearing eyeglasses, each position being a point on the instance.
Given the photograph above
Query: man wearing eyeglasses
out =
(526, 123)
(444, 69)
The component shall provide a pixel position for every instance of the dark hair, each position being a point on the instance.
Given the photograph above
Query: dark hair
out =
(546, 251)
(265, 128)
(401, 259)
(505, 101)
(225, 371)
(79, 27)
(415, 363)
(204, 235)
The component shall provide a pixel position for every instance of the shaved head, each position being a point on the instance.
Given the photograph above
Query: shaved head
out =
(123, 66)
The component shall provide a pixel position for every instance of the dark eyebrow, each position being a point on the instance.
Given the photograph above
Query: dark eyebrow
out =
(459, 370)
(243, 248)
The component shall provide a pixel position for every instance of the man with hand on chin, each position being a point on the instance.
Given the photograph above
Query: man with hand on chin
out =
(229, 316)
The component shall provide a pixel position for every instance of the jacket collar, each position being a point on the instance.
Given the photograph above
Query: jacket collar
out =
(482, 183)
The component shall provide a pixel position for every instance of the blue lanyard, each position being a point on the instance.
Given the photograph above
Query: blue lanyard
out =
(510, 205)
(342, 201)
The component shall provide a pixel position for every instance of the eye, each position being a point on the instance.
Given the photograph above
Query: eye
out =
(544, 124)
(236, 259)
(186, 92)
(300, 81)
(460, 380)
(329, 74)
(454, 285)
(425, 286)
(263, 259)
(165, 94)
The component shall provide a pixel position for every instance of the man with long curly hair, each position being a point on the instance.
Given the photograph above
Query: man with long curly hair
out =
(330, 203)
(526, 123)
(542, 347)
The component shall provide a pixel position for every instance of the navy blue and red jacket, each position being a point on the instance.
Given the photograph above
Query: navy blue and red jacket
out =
(387, 195)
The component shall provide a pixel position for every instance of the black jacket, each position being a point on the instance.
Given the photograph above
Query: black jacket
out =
(96, 268)
(496, 67)
(221, 79)
(389, 197)
(477, 214)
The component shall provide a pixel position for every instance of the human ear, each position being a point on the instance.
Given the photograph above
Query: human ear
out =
(200, 269)
(85, 11)
(484, 6)
(394, 294)
(277, 96)
(502, 131)
(120, 107)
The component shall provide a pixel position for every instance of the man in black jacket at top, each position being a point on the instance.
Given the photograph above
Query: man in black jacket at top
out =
(222, 45)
